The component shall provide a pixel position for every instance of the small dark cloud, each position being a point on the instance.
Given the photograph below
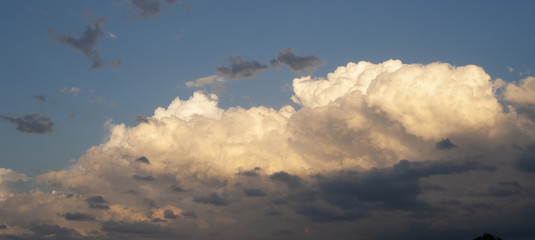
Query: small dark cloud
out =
(250, 173)
(297, 63)
(240, 68)
(158, 220)
(272, 211)
(444, 144)
(143, 178)
(169, 214)
(213, 199)
(291, 180)
(132, 191)
(79, 217)
(149, 8)
(31, 123)
(39, 98)
(142, 228)
(85, 43)
(142, 159)
(254, 192)
(177, 188)
(140, 119)
(97, 202)
(3, 226)
(189, 214)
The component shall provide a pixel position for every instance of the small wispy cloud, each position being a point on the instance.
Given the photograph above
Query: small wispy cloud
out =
(296, 63)
(72, 90)
(112, 36)
(205, 81)
(31, 123)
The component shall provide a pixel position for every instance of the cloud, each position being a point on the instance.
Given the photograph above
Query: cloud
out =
(444, 144)
(76, 216)
(31, 123)
(39, 98)
(149, 8)
(205, 81)
(522, 93)
(8, 176)
(112, 36)
(73, 90)
(370, 149)
(240, 68)
(297, 63)
(84, 43)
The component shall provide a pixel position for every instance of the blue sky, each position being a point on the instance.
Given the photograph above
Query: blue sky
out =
(148, 55)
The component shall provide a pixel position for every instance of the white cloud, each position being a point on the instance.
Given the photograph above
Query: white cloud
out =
(205, 81)
(523, 93)
(7, 176)
(73, 90)
(264, 172)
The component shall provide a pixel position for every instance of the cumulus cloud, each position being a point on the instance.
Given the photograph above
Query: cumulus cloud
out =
(149, 8)
(9, 176)
(384, 151)
(522, 93)
(240, 68)
(31, 123)
(72, 90)
(302, 64)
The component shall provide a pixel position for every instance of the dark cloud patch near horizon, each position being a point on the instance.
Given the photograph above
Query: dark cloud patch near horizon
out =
(31, 123)
(296, 63)
(391, 188)
(79, 217)
(46, 231)
(240, 68)
(141, 228)
(526, 162)
(213, 199)
(97, 202)
(445, 144)
(169, 214)
(85, 43)
(150, 8)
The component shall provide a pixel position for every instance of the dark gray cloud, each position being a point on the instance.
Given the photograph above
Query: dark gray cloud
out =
(143, 178)
(31, 123)
(85, 43)
(212, 198)
(169, 214)
(297, 63)
(149, 8)
(3, 226)
(143, 159)
(240, 68)
(291, 180)
(250, 173)
(49, 232)
(142, 228)
(444, 144)
(39, 98)
(254, 192)
(526, 162)
(79, 217)
(189, 214)
(97, 202)
(140, 119)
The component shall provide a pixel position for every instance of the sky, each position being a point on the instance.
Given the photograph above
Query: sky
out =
(169, 119)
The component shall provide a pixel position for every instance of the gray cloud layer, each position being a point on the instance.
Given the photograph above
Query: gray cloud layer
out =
(31, 123)
(149, 8)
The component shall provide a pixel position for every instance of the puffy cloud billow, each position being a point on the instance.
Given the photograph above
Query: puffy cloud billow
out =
(376, 151)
